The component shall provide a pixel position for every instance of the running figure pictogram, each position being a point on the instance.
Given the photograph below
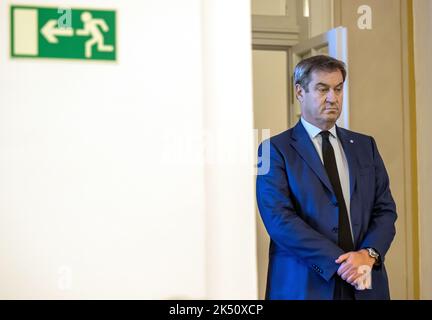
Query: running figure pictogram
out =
(91, 27)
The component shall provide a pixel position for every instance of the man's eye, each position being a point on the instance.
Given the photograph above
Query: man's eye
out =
(323, 90)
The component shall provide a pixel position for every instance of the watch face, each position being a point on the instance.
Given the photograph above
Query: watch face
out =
(373, 253)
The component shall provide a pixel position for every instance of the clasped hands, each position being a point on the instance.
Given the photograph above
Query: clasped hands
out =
(350, 263)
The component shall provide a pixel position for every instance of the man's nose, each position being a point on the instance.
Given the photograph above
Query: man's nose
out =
(331, 96)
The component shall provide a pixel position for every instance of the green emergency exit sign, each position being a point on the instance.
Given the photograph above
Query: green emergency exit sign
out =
(67, 33)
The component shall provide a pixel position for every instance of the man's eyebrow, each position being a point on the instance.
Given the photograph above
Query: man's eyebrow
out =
(326, 85)
(321, 84)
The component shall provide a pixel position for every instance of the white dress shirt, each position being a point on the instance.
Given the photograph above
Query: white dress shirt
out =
(341, 162)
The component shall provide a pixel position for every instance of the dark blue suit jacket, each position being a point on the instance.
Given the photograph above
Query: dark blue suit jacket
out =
(300, 212)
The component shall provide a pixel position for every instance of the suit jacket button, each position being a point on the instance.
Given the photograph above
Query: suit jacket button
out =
(335, 230)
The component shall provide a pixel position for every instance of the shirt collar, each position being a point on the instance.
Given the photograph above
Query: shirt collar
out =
(314, 131)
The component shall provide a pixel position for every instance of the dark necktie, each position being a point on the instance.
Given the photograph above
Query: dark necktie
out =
(344, 234)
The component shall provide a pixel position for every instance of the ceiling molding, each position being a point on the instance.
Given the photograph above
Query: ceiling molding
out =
(274, 30)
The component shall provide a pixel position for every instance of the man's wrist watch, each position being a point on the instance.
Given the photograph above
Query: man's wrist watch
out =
(372, 253)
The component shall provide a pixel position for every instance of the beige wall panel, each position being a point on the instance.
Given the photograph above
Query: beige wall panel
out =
(270, 112)
(376, 107)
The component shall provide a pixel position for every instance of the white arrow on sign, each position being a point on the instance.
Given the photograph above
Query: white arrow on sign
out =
(50, 31)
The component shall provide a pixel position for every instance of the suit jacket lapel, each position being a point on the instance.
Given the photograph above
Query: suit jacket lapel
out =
(348, 145)
(304, 146)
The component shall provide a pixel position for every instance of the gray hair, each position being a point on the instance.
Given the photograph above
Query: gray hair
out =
(304, 69)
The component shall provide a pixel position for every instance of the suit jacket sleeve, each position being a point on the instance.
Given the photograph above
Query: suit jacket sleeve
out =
(381, 230)
(285, 226)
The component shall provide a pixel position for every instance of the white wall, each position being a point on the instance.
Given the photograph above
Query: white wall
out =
(102, 174)
(422, 10)
(230, 151)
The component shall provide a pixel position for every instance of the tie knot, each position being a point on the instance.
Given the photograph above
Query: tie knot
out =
(325, 135)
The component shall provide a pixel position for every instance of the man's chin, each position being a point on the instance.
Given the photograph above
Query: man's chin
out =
(332, 117)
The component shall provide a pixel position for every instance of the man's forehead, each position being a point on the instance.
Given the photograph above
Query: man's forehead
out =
(330, 77)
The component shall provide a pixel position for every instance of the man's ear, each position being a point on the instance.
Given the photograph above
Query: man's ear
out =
(299, 92)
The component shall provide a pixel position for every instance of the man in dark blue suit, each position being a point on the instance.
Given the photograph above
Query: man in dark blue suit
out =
(325, 201)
